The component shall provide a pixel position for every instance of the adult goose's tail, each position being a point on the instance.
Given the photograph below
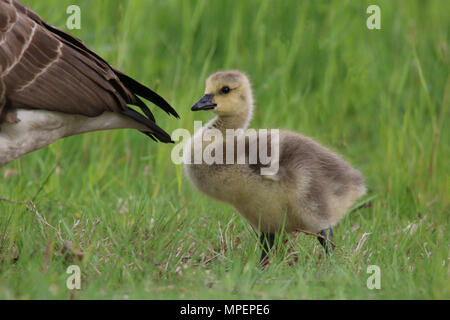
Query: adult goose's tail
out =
(43, 67)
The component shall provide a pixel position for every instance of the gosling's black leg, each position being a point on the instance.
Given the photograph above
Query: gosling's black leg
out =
(327, 233)
(267, 240)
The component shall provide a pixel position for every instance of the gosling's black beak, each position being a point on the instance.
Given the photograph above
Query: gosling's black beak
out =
(205, 103)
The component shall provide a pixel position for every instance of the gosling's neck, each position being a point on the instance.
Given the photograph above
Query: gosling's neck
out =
(236, 121)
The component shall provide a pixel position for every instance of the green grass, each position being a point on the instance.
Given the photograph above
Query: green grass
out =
(380, 98)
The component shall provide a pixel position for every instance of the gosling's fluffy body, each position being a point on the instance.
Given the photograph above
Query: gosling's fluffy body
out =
(312, 189)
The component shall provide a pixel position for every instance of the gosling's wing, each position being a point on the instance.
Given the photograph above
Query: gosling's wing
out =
(43, 67)
(327, 169)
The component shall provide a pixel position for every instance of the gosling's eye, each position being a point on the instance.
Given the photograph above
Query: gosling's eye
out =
(225, 90)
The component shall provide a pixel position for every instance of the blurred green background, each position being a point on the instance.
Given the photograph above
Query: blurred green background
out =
(114, 203)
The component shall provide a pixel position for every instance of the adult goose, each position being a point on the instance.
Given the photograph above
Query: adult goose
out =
(53, 86)
(306, 186)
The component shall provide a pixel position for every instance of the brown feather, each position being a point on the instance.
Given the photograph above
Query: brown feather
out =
(43, 67)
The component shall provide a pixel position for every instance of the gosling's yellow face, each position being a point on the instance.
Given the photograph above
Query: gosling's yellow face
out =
(227, 93)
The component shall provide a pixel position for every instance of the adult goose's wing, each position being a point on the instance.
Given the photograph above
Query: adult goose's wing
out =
(43, 67)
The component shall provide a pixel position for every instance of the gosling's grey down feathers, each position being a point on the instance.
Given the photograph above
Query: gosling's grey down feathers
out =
(43, 68)
(312, 190)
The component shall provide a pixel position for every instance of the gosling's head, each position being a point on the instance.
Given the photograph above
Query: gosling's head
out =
(227, 93)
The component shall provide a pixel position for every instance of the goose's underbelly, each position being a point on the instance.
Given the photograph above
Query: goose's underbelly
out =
(261, 201)
(223, 182)
(36, 129)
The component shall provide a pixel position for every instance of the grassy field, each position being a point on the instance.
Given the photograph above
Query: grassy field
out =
(114, 203)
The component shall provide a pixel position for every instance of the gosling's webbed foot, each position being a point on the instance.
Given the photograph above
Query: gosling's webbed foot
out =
(327, 233)
(267, 240)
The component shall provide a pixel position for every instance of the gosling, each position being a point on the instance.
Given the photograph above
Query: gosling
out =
(311, 190)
